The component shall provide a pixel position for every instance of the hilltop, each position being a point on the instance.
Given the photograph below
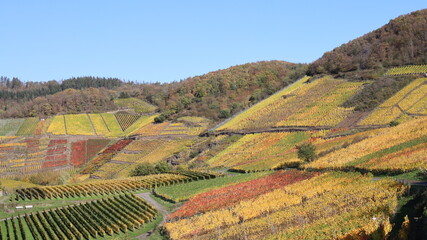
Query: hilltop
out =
(400, 42)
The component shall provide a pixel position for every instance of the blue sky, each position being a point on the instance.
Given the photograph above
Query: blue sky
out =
(164, 41)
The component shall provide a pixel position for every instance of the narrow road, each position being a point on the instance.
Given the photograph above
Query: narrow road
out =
(146, 196)
(406, 181)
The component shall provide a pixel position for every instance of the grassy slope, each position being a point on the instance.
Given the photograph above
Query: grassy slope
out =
(138, 105)
(9, 127)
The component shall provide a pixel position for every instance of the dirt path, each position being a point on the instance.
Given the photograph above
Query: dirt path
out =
(146, 196)
(406, 181)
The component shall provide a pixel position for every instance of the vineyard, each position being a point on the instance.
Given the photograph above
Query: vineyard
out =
(251, 201)
(140, 123)
(30, 155)
(23, 155)
(228, 196)
(57, 126)
(182, 192)
(104, 124)
(99, 124)
(410, 100)
(411, 69)
(78, 124)
(179, 128)
(106, 187)
(105, 155)
(126, 120)
(84, 150)
(397, 149)
(109, 121)
(260, 151)
(141, 151)
(321, 206)
(28, 127)
(151, 129)
(90, 220)
(299, 105)
(56, 153)
(182, 129)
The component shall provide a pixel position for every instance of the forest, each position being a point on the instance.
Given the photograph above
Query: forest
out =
(215, 95)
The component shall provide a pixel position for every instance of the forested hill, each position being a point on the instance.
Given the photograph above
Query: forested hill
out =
(16, 89)
(403, 41)
(214, 95)
(219, 94)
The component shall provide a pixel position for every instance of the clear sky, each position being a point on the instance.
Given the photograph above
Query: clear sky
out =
(164, 41)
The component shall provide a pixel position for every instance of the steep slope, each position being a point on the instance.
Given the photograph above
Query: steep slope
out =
(306, 103)
(219, 94)
(402, 41)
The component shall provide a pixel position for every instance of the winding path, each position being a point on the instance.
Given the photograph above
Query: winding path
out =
(146, 196)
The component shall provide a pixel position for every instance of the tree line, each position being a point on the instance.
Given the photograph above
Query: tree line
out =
(16, 89)
(214, 95)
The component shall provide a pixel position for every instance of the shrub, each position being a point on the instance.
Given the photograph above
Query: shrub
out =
(162, 167)
(307, 152)
(393, 123)
(423, 173)
(224, 113)
(142, 170)
(160, 119)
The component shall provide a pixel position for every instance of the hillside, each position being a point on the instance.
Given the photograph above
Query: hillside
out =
(254, 151)
(215, 95)
(306, 103)
(400, 42)
(219, 94)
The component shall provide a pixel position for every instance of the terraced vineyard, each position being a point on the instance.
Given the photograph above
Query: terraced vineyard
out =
(183, 192)
(151, 129)
(182, 129)
(31, 155)
(141, 151)
(333, 205)
(411, 69)
(305, 103)
(260, 151)
(94, 146)
(23, 155)
(106, 187)
(330, 156)
(90, 220)
(56, 153)
(391, 150)
(410, 100)
(105, 156)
